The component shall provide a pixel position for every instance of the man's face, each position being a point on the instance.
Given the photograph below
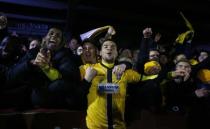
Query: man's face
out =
(109, 51)
(73, 44)
(154, 55)
(53, 38)
(33, 44)
(183, 66)
(89, 51)
(202, 56)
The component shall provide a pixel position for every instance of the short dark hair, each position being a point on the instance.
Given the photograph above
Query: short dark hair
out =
(108, 40)
(183, 60)
(86, 40)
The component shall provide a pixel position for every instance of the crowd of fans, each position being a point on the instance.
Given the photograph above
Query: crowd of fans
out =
(54, 73)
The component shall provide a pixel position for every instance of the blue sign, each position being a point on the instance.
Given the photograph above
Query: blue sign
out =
(30, 28)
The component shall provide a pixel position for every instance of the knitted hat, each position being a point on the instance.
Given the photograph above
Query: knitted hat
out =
(150, 66)
(204, 75)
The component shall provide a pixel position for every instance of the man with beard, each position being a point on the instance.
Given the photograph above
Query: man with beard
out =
(107, 92)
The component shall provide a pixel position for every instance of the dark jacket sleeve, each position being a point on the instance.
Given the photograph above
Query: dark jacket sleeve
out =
(85, 86)
(18, 72)
(22, 70)
(66, 64)
(143, 55)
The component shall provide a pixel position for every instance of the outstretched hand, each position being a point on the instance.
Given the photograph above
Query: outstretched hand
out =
(111, 30)
(90, 73)
(43, 59)
(202, 92)
(119, 70)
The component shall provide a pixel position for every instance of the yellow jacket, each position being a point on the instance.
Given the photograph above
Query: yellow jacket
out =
(96, 113)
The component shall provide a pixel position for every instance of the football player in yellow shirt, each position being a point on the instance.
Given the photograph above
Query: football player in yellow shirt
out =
(107, 93)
